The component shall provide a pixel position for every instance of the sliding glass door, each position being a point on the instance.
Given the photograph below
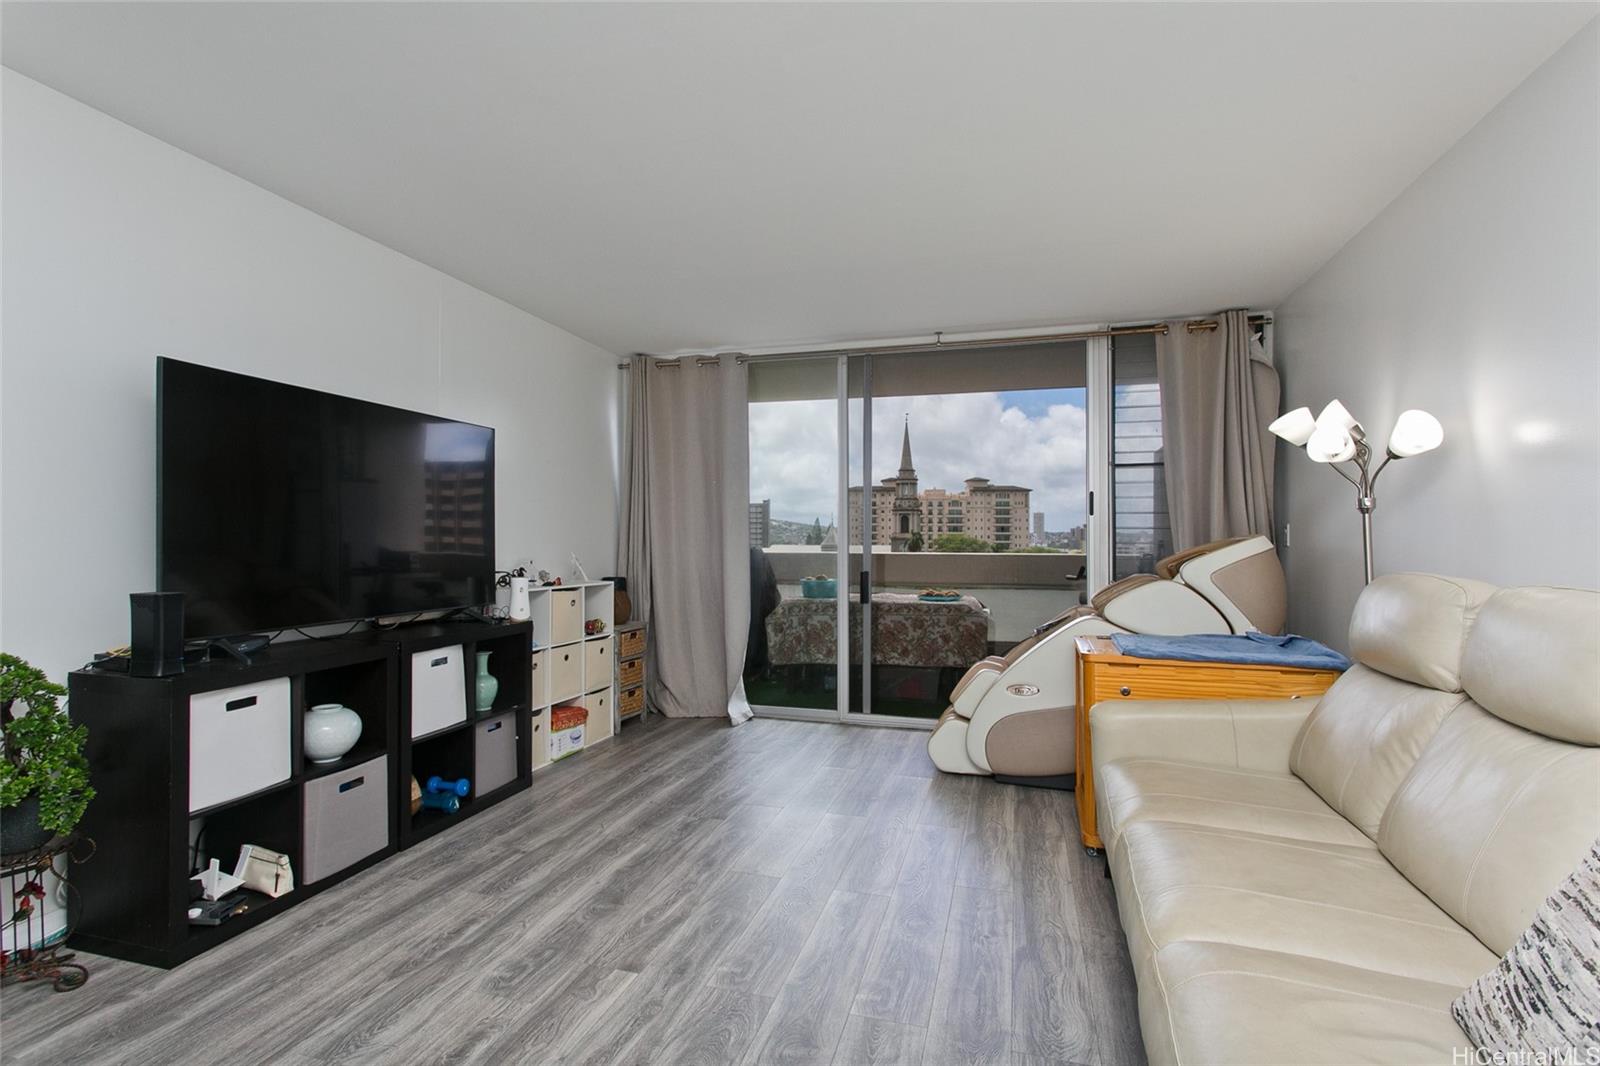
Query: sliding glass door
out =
(791, 664)
(933, 508)
(968, 503)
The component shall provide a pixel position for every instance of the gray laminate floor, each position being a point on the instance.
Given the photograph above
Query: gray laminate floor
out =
(686, 893)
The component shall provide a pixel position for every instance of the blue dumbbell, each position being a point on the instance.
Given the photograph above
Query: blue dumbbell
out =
(441, 801)
(460, 786)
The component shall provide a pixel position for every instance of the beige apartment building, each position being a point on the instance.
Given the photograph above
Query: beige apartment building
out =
(997, 514)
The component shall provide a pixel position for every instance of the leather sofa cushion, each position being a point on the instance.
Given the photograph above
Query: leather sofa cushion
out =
(1131, 791)
(1533, 659)
(1491, 819)
(1216, 1003)
(1413, 626)
(1363, 738)
(1340, 903)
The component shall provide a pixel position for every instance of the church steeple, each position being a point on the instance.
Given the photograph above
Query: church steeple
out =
(907, 505)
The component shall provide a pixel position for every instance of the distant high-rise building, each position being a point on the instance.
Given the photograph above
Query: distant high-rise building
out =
(900, 512)
(1038, 529)
(761, 524)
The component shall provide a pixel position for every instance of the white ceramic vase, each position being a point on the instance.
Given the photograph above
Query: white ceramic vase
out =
(332, 729)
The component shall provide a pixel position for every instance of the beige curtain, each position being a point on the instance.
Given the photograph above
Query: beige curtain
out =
(1217, 396)
(686, 531)
(633, 554)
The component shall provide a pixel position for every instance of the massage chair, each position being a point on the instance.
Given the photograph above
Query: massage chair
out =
(1013, 716)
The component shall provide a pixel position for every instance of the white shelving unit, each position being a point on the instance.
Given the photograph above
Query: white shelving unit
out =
(570, 667)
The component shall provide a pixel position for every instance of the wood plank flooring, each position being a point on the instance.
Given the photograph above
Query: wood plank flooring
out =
(688, 893)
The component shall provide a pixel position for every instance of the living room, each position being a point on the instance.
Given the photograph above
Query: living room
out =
(709, 533)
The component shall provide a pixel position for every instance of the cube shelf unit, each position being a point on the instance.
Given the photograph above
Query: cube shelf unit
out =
(195, 765)
(441, 731)
(569, 667)
(202, 762)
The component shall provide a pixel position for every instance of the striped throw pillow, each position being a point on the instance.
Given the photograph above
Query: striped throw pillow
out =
(1543, 999)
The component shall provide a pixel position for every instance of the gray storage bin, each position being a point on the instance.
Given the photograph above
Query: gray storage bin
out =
(346, 818)
(494, 745)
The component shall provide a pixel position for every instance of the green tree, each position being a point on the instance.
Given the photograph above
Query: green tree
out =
(960, 542)
(915, 543)
(815, 536)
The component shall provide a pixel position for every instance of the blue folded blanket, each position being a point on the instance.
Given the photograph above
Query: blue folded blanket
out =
(1255, 648)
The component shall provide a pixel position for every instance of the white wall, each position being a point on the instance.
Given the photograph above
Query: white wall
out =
(1473, 296)
(118, 247)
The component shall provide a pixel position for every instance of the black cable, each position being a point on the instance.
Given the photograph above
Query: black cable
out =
(194, 849)
(329, 636)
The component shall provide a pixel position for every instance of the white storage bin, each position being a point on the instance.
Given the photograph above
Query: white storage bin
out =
(346, 818)
(539, 743)
(566, 615)
(438, 690)
(238, 741)
(494, 760)
(537, 686)
(597, 656)
(566, 673)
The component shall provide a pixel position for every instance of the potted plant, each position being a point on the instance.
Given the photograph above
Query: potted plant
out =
(44, 776)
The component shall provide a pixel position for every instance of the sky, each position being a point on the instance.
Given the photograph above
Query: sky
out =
(1033, 438)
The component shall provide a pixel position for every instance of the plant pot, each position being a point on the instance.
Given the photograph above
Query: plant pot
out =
(488, 686)
(20, 829)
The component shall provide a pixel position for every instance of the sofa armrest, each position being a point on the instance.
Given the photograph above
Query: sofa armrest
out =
(1244, 734)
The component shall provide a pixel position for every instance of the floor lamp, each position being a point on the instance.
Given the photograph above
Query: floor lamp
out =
(1335, 437)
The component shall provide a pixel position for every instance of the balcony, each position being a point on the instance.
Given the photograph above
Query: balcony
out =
(1014, 593)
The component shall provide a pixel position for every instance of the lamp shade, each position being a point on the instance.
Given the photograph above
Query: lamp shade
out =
(1335, 414)
(1414, 433)
(1331, 444)
(1295, 426)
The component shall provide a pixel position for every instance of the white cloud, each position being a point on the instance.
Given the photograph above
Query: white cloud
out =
(793, 451)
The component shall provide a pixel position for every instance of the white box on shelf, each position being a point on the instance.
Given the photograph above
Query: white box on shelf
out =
(568, 730)
(537, 685)
(346, 818)
(597, 656)
(565, 673)
(566, 615)
(238, 741)
(600, 706)
(438, 689)
(540, 740)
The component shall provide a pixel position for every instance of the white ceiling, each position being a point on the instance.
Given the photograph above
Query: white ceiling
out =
(664, 177)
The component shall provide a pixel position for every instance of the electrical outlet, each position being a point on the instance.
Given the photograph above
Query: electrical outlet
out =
(1286, 534)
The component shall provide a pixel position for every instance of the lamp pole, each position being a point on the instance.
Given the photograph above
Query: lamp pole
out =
(1366, 499)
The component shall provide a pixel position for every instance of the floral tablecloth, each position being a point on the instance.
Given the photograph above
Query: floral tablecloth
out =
(906, 631)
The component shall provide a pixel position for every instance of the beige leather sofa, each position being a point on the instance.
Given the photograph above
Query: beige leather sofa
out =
(1315, 881)
(1013, 716)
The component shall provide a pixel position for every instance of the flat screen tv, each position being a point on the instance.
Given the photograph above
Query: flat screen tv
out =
(281, 506)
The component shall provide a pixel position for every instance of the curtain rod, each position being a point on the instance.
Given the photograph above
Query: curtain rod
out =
(938, 345)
